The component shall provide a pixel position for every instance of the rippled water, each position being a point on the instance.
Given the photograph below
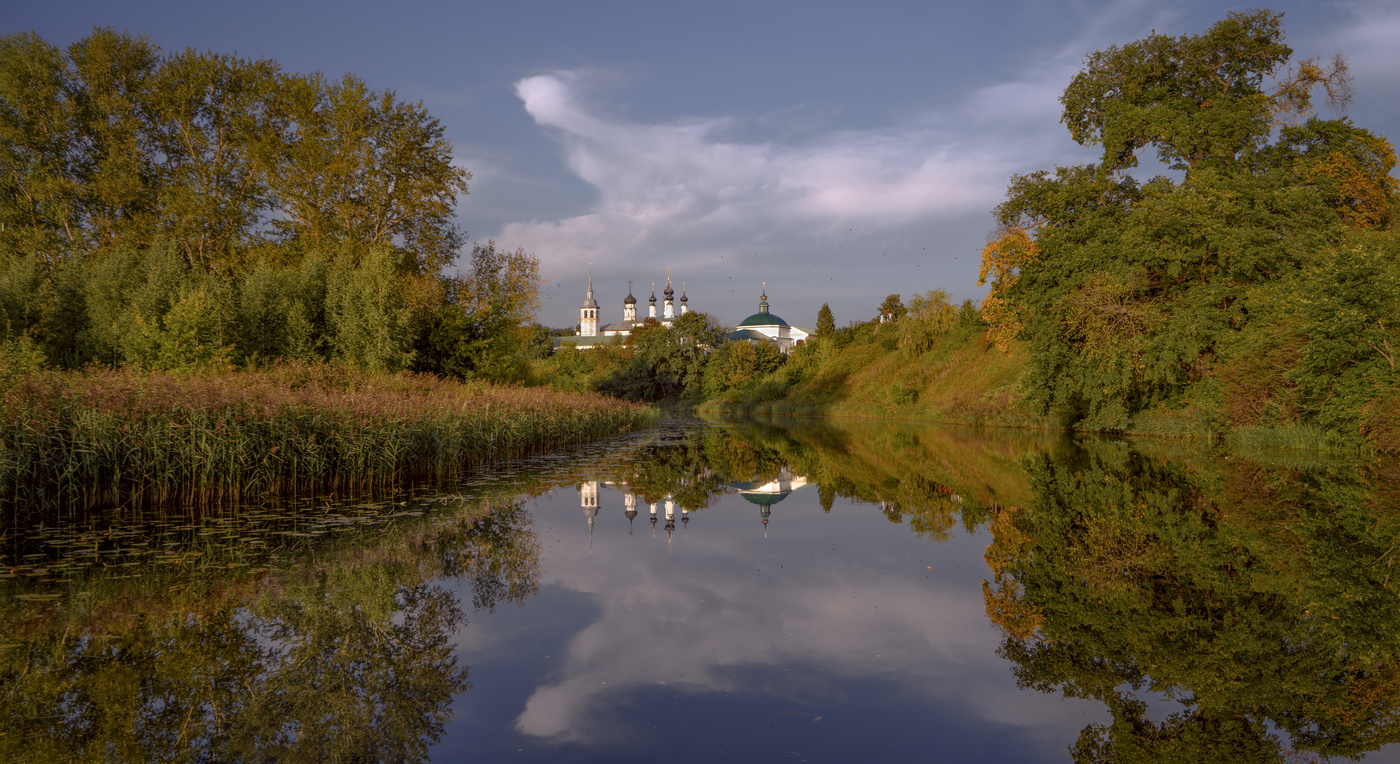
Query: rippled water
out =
(801, 592)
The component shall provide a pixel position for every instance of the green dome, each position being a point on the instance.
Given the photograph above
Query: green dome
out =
(762, 319)
(764, 499)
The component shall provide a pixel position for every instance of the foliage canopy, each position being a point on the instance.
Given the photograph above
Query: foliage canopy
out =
(1136, 295)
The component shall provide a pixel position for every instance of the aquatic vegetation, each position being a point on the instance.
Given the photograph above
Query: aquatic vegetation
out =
(123, 435)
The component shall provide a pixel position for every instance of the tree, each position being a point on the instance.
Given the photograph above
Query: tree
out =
(892, 309)
(476, 329)
(114, 153)
(211, 110)
(111, 84)
(370, 311)
(662, 362)
(1198, 99)
(930, 316)
(38, 190)
(826, 323)
(358, 164)
(736, 365)
(1130, 292)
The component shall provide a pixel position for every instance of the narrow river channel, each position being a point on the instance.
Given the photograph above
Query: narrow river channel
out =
(749, 591)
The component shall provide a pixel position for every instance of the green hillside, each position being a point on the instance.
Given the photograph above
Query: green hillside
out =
(862, 371)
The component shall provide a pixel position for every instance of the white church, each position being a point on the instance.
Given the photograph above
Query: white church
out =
(590, 334)
(762, 326)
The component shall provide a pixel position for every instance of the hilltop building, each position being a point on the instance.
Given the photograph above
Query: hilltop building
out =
(589, 334)
(764, 326)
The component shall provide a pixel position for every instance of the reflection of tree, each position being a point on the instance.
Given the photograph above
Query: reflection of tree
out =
(1260, 600)
(501, 559)
(346, 656)
(681, 469)
(931, 477)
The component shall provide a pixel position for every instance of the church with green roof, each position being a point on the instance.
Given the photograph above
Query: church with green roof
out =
(764, 326)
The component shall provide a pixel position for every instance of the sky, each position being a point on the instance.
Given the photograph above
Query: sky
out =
(839, 152)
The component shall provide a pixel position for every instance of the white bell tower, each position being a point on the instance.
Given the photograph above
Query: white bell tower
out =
(588, 314)
(629, 304)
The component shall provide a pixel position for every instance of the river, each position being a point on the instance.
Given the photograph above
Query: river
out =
(750, 591)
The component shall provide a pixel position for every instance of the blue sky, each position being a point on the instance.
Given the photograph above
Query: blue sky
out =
(838, 151)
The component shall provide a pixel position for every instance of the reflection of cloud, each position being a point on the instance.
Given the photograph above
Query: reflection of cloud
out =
(701, 621)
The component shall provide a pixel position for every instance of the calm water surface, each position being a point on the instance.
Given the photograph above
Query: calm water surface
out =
(749, 592)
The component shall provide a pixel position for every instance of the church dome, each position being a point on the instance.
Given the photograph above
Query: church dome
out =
(763, 318)
(629, 299)
(764, 499)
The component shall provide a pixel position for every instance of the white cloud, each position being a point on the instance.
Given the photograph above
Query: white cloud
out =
(853, 214)
(683, 191)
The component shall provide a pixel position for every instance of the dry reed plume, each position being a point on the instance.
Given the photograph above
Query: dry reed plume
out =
(105, 436)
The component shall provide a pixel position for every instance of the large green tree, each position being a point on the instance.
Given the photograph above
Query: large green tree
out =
(188, 208)
(1129, 291)
(356, 164)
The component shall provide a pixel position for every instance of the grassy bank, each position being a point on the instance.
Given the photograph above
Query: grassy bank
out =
(863, 372)
(962, 379)
(104, 436)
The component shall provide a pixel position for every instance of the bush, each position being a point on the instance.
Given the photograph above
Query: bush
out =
(930, 317)
(901, 395)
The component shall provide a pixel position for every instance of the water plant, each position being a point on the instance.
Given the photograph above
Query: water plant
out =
(102, 436)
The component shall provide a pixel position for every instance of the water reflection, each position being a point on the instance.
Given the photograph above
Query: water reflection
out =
(858, 636)
(337, 650)
(828, 590)
(1261, 601)
(762, 493)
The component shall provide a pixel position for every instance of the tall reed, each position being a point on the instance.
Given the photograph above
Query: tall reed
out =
(103, 436)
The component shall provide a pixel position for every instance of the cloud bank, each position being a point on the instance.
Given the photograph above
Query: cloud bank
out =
(682, 191)
(853, 214)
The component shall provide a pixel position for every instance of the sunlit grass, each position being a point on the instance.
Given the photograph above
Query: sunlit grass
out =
(103, 436)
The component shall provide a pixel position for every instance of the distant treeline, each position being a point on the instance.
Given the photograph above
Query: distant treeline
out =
(179, 209)
(1256, 288)
(694, 360)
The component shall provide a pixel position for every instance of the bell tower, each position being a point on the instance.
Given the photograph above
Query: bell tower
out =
(588, 314)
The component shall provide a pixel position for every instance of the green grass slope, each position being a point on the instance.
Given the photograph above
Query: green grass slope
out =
(863, 372)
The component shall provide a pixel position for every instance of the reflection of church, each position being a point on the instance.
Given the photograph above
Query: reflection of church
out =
(588, 501)
(763, 494)
(766, 494)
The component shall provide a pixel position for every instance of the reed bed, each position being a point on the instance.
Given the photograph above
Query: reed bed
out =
(100, 436)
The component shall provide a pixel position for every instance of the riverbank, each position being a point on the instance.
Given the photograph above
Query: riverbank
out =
(106, 436)
(862, 372)
(963, 379)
